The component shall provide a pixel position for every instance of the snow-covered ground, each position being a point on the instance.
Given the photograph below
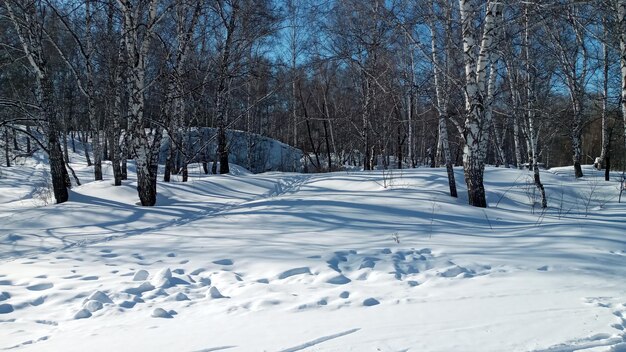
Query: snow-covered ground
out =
(313, 262)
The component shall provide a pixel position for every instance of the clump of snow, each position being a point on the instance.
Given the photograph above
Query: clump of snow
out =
(181, 297)
(141, 275)
(162, 278)
(99, 296)
(92, 306)
(368, 302)
(215, 293)
(161, 313)
(82, 314)
(144, 287)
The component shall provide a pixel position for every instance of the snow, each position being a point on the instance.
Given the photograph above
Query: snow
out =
(258, 153)
(313, 262)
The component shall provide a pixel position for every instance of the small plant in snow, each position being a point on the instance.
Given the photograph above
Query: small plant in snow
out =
(591, 195)
(388, 178)
(434, 208)
(531, 192)
(43, 193)
(622, 185)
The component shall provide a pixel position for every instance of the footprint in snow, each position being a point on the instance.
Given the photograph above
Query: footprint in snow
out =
(71, 277)
(197, 271)
(127, 304)
(293, 272)
(47, 322)
(137, 256)
(40, 287)
(338, 280)
(369, 262)
(6, 308)
(38, 301)
(457, 271)
(370, 302)
(223, 262)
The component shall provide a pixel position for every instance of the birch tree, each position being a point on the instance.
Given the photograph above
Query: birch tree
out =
(441, 98)
(569, 47)
(477, 57)
(139, 29)
(186, 20)
(84, 82)
(531, 109)
(621, 24)
(28, 19)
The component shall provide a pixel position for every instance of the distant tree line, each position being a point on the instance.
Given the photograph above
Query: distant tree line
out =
(366, 83)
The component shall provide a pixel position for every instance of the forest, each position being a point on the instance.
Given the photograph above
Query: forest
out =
(350, 83)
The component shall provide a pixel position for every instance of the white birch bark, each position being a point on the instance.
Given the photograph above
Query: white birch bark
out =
(138, 38)
(29, 29)
(621, 22)
(477, 58)
(533, 135)
(442, 106)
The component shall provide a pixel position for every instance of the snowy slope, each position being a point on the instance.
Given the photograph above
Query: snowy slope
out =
(258, 153)
(315, 262)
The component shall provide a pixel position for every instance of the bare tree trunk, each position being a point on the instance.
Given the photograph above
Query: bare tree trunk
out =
(475, 151)
(85, 142)
(60, 177)
(365, 133)
(328, 151)
(171, 155)
(576, 138)
(65, 151)
(530, 109)
(144, 151)
(118, 89)
(28, 146)
(29, 29)
(621, 19)
(605, 94)
(7, 154)
(442, 106)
